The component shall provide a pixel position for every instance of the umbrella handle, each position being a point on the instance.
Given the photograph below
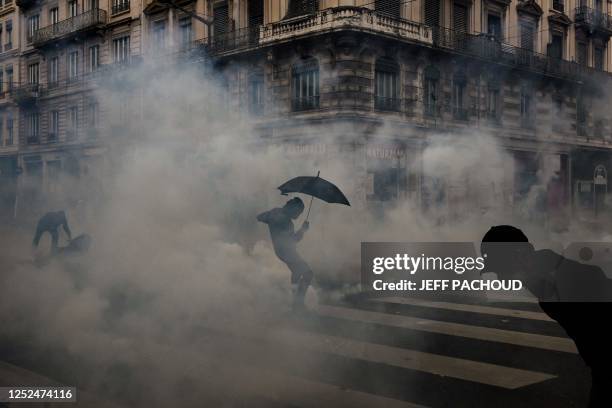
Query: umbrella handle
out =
(311, 198)
(309, 205)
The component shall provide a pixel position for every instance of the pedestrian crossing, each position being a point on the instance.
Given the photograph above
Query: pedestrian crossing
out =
(514, 365)
(454, 329)
(390, 352)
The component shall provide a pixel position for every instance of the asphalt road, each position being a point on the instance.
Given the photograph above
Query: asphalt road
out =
(390, 352)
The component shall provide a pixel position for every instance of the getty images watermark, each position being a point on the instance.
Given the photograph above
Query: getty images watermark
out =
(429, 267)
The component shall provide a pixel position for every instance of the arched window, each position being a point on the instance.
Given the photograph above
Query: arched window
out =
(386, 85)
(431, 79)
(460, 111)
(305, 85)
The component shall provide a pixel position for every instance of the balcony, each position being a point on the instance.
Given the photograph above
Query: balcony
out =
(345, 18)
(488, 48)
(26, 94)
(593, 20)
(241, 39)
(89, 20)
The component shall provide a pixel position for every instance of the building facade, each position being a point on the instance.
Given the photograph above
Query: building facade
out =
(378, 78)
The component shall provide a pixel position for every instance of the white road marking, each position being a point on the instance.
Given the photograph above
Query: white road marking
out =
(462, 307)
(453, 329)
(475, 371)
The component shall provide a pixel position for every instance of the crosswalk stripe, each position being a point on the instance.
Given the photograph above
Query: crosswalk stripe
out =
(452, 329)
(489, 310)
(475, 371)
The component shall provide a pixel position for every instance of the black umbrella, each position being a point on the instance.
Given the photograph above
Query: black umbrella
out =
(314, 187)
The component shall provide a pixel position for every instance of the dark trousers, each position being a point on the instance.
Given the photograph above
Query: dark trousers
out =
(301, 274)
(54, 237)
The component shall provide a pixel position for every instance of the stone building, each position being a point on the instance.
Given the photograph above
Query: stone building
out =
(378, 79)
(384, 76)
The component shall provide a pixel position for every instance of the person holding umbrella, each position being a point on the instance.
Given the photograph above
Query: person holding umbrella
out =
(285, 239)
(281, 227)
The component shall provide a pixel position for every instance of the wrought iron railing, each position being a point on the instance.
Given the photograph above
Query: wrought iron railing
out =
(487, 47)
(484, 46)
(234, 40)
(26, 93)
(83, 21)
(593, 18)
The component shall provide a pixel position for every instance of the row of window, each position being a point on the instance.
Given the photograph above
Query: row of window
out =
(121, 54)
(73, 123)
(72, 11)
(305, 93)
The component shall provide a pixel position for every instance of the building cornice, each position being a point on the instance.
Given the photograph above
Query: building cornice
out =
(529, 7)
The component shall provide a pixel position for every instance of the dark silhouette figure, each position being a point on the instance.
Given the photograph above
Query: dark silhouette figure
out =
(51, 222)
(576, 295)
(285, 241)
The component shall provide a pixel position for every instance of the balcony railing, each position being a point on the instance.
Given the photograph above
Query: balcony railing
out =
(482, 46)
(26, 94)
(88, 20)
(342, 18)
(234, 40)
(595, 20)
(488, 48)
(120, 6)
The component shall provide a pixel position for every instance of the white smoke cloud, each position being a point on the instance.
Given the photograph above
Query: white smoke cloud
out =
(175, 241)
